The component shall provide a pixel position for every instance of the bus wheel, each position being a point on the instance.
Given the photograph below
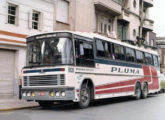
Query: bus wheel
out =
(45, 104)
(145, 91)
(137, 91)
(84, 96)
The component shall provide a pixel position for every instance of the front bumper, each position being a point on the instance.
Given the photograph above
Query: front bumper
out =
(37, 94)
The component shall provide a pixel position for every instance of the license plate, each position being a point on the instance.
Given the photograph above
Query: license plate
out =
(41, 93)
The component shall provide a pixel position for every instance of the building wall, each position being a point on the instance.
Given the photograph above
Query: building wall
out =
(12, 37)
(58, 25)
(160, 42)
(83, 16)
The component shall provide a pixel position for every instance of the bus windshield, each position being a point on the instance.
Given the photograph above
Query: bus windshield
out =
(52, 51)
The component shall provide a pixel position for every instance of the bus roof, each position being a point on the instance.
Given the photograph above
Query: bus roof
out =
(94, 35)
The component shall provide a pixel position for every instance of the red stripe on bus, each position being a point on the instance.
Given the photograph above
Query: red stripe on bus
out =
(147, 73)
(119, 84)
(119, 90)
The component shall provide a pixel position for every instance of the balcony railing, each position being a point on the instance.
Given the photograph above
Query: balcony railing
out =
(111, 6)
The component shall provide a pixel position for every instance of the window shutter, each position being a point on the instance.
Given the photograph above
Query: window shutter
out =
(6, 15)
(62, 11)
(30, 19)
(17, 16)
(41, 21)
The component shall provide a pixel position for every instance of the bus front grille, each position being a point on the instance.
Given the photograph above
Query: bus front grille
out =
(46, 80)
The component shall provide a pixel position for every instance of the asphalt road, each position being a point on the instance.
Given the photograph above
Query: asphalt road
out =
(126, 108)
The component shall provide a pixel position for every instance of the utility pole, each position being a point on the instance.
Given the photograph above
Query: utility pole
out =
(141, 24)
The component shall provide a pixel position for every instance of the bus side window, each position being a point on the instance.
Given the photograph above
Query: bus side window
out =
(100, 48)
(84, 53)
(139, 57)
(130, 55)
(118, 52)
(155, 60)
(148, 58)
(103, 49)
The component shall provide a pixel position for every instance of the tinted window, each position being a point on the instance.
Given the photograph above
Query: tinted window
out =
(130, 55)
(139, 57)
(84, 53)
(102, 49)
(148, 58)
(155, 61)
(118, 52)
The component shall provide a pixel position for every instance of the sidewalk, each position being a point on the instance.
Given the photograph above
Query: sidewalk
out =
(13, 103)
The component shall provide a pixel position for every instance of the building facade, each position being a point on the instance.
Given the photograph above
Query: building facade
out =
(18, 19)
(124, 20)
(160, 41)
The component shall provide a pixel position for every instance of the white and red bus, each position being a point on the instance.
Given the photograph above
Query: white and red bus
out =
(80, 67)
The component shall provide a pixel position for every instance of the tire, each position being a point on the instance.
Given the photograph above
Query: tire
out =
(138, 91)
(45, 104)
(145, 91)
(84, 96)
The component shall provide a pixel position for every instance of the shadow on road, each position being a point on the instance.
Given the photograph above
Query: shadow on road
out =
(97, 103)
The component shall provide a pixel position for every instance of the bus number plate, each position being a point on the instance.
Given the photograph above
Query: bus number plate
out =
(41, 93)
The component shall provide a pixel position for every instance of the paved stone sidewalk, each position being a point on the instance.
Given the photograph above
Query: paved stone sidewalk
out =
(13, 103)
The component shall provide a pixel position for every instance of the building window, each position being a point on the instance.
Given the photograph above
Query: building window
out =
(62, 11)
(35, 20)
(106, 25)
(122, 29)
(134, 3)
(12, 14)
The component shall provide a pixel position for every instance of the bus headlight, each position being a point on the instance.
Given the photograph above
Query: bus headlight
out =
(57, 94)
(33, 94)
(63, 94)
(24, 94)
(28, 94)
(51, 94)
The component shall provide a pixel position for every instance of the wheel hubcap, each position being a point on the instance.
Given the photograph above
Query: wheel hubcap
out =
(145, 90)
(138, 91)
(84, 95)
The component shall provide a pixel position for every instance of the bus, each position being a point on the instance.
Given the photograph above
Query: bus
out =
(81, 67)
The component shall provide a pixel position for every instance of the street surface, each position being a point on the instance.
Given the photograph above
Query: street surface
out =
(152, 108)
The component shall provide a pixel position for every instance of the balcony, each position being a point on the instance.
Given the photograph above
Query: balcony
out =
(112, 7)
(125, 15)
(148, 3)
(148, 24)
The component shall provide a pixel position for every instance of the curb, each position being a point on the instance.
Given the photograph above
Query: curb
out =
(16, 108)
